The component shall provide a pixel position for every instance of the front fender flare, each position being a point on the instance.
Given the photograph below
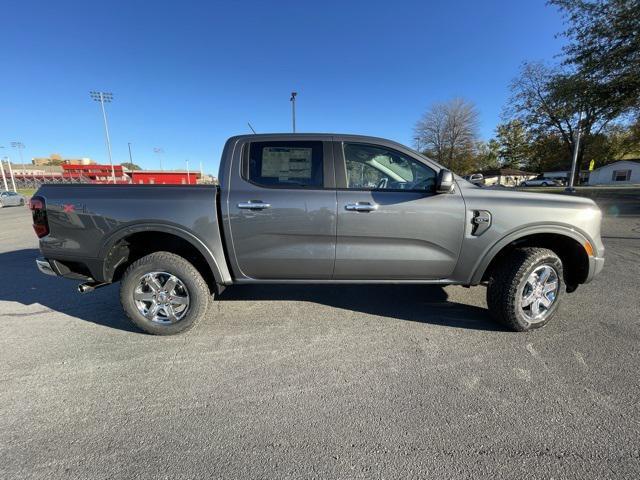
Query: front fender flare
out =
(485, 260)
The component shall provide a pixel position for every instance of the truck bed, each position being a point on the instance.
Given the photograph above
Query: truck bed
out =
(87, 221)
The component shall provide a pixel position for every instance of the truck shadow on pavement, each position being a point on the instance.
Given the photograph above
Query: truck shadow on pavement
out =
(22, 282)
(415, 303)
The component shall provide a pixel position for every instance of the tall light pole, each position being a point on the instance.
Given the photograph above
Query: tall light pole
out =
(159, 151)
(188, 174)
(20, 147)
(107, 97)
(13, 182)
(574, 159)
(4, 178)
(293, 109)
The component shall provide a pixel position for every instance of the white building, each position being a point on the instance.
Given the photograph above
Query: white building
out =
(506, 176)
(617, 173)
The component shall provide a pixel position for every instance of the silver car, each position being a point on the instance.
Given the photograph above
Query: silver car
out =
(9, 199)
(542, 182)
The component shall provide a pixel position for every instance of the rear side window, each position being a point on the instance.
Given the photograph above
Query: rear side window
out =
(285, 164)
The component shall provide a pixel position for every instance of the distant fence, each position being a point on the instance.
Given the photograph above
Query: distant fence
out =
(35, 180)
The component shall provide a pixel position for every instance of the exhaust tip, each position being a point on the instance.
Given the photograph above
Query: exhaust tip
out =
(85, 288)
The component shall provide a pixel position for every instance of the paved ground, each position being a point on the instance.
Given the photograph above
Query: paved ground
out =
(350, 382)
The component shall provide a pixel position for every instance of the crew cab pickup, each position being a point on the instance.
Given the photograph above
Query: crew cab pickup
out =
(317, 208)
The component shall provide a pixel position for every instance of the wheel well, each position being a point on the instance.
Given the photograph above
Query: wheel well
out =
(137, 245)
(575, 261)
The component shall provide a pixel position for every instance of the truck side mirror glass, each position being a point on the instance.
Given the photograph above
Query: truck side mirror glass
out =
(445, 181)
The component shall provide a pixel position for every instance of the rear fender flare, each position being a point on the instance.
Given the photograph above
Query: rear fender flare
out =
(118, 235)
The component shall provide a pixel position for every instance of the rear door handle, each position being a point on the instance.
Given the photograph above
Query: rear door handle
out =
(361, 207)
(254, 205)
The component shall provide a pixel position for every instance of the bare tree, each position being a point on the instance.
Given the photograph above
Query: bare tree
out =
(448, 132)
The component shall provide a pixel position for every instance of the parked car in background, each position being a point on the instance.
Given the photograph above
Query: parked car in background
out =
(475, 178)
(11, 199)
(317, 208)
(542, 182)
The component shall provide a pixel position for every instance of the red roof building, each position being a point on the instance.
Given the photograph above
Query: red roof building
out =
(164, 177)
(95, 173)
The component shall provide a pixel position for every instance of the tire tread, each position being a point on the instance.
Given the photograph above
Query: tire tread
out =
(503, 286)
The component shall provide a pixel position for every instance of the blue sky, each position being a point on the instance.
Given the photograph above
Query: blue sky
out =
(186, 75)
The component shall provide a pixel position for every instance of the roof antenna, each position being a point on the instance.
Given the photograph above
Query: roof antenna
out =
(251, 128)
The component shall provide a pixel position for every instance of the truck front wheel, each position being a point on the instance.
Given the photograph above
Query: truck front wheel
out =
(164, 294)
(525, 288)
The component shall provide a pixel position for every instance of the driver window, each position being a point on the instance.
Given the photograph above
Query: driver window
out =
(376, 168)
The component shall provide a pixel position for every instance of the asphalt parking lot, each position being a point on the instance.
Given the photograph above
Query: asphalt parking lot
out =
(317, 382)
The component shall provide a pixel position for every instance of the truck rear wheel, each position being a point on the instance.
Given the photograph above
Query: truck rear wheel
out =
(525, 289)
(164, 294)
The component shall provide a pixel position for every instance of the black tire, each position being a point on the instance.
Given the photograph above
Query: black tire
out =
(196, 289)
(22, 202)
(545, 184)
(509, 280)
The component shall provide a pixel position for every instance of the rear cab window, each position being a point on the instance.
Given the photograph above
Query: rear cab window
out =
(285, 164)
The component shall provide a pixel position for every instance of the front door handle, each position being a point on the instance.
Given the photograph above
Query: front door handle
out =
(361, 207)
(254, 205)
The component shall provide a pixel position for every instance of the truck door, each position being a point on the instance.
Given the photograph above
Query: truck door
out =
(281, 205)
(391, 223)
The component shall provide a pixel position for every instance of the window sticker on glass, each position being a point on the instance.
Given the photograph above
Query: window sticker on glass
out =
(286, 163)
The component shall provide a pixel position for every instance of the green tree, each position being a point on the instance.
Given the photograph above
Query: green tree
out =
(514, 144)
(550, 101)
(130, 166)
(548, 153)
(54, 162)
(486, 156)
(623, 141)
(604, 46)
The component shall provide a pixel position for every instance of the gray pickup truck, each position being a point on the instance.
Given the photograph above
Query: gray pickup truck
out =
(317, 208)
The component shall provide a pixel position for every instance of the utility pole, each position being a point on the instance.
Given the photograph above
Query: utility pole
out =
(107, 97)
(4, 178)
(130, 158)
(574, 160)
(159, 151)
(293, 109)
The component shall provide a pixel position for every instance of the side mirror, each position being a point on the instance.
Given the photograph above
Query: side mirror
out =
(445, 181)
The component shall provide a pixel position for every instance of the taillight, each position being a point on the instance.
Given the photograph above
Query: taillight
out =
(39, 214)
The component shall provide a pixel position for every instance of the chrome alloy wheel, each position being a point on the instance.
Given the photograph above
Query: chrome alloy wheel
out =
(539, 293)
(161, 297)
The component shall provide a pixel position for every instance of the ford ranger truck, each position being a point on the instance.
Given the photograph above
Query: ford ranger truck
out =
(317, 208)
